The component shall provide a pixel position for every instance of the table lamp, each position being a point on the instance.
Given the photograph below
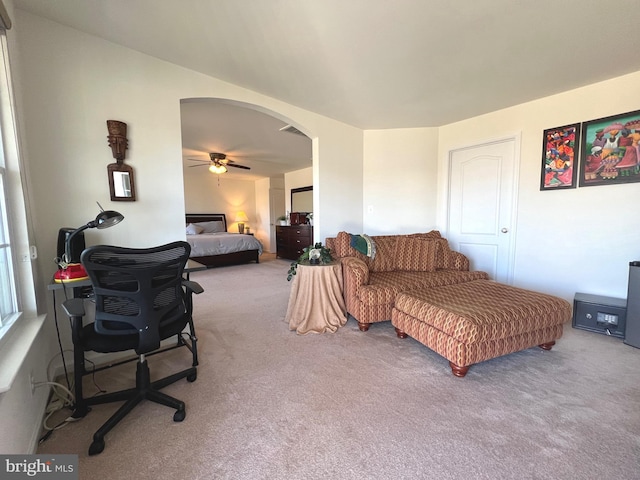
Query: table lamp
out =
(241, 217)
(69, 272)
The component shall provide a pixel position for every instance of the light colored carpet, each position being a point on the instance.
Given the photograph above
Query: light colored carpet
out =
(270, 404)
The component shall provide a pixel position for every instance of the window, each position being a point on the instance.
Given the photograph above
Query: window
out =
(11, 200)
(8, 302)
(20, 321)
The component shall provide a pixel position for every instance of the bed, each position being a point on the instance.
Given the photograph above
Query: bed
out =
(213, 246)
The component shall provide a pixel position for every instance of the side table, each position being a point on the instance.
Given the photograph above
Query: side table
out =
(316, 302)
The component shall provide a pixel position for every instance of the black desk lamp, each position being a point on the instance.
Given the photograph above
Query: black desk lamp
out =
(69, 272)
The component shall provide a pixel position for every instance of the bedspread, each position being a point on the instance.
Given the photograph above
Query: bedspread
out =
(205, 244)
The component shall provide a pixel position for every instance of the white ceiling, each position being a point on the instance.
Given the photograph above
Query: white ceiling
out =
(248, 137)
(376, 63)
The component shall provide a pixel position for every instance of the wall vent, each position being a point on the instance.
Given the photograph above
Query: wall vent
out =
(292, 129)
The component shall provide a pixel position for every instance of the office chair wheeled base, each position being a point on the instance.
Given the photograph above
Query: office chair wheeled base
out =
(144, 389)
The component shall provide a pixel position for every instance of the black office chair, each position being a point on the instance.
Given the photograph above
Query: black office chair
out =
(141, 298)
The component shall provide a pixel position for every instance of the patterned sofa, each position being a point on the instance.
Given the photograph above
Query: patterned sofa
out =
(401, 263)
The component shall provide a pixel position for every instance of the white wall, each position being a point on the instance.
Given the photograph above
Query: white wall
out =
(28, 346)
(261, 225)
(337, 185)
(296, 179)
(265, 229)
(400, 180)
(205, 192)
(21, 410)
(568, 241)
(74, 82)
(89, 80)
(71, 83)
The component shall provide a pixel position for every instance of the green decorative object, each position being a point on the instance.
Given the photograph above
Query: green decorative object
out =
(364, 244)
(314, 254)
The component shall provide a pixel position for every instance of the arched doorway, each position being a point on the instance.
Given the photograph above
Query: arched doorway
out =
(265, 143)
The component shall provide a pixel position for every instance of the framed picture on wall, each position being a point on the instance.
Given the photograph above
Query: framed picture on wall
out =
(610, 153)
(559, 157)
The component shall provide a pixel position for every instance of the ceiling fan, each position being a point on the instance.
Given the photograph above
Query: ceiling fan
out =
(218, 163)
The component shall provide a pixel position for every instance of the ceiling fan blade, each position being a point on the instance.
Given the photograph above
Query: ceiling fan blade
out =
(202, 165)
(198, 160)
(235, 165)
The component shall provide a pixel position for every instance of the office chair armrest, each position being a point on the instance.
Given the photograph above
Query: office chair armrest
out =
(192, 287)
(74, 307)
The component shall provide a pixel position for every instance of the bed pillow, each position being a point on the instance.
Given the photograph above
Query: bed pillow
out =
(194, 229)
(211, 227)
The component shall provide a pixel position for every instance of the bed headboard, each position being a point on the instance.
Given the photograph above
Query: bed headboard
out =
(206, 217)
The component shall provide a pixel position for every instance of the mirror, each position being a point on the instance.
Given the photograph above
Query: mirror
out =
(302, 199)
(121, 182)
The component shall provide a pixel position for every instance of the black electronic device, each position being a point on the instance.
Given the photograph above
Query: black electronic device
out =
(632, 335)
(76, 246)
(600, 314)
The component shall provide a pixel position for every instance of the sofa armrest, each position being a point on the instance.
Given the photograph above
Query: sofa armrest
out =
(355, 274)
(355, 271)
(330, 243)
(456, 261)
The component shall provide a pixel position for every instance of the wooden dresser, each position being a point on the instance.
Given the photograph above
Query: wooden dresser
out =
(291, 240)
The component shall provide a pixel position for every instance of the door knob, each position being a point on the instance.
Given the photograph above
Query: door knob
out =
(504, 230)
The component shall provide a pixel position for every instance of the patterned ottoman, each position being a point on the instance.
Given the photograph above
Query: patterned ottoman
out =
(474, 321)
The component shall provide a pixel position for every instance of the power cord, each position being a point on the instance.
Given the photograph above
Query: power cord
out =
(50, 373)
(61, 398)
(55, 317)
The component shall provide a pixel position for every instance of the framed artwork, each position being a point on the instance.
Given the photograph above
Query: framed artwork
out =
(609, 152)
(559, 156)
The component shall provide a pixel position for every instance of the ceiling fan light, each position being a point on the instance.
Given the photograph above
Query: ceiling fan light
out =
(213, 168)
